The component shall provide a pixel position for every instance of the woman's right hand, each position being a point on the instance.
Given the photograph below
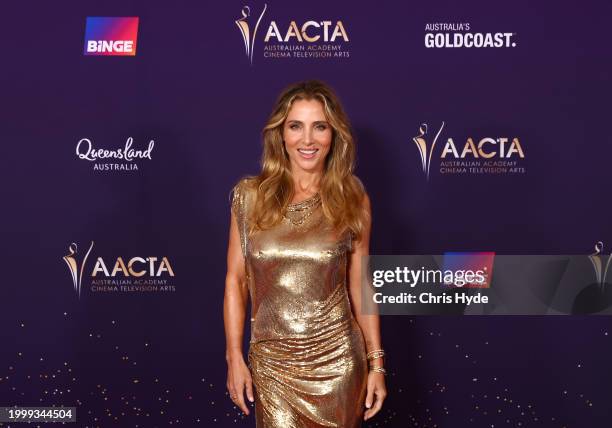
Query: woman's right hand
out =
(238, 380)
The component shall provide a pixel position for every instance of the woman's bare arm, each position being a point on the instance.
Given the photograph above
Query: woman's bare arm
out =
(370, 323)
(234, 313)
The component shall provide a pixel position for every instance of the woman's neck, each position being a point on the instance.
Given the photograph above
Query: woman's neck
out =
(306, 183)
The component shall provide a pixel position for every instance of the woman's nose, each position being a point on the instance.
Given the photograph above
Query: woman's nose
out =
(308, 137)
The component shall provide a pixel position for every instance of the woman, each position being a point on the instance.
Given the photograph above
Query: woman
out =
(298, 232)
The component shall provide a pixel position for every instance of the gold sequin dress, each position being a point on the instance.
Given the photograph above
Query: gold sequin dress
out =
(307, 353)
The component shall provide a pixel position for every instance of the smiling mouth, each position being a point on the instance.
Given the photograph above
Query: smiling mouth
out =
(308, 153)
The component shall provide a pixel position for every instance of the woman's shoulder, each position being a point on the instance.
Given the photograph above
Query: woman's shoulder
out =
(361, 189)
(243, 189)
(244, 186)
(359, 183)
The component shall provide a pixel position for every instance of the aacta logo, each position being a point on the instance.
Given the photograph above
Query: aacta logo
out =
(136, 267)
(486, 148)
(295, 39)
(111, 36)
(310, 31)
(486, 155)
(120, 273)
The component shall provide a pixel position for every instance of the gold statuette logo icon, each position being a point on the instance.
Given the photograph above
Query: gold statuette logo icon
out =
(421, 144)
(73, 266)
(245, 29)
(600, 264)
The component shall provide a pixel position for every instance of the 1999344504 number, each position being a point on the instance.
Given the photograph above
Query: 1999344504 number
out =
(34, 414)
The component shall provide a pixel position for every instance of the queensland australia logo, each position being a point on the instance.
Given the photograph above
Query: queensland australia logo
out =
(111, 36)
(461, 35)
(300, 39)
(137, 274)
(124, 158)
(469, 155)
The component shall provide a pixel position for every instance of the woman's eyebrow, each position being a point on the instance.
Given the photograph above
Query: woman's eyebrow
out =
(316, 122)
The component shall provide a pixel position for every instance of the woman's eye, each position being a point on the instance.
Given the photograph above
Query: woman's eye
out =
(294, 126)
(321, 127)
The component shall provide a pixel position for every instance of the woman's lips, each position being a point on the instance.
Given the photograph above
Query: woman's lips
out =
(308, 153)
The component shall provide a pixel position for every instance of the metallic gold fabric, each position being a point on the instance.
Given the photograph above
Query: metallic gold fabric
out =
(307, 353)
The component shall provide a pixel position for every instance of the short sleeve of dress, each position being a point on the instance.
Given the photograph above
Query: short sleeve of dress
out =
(349, 236)
(239, 210)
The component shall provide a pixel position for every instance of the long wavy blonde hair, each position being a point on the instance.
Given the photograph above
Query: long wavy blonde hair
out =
(342, 194)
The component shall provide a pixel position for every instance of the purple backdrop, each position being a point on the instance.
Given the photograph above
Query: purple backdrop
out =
(154, 359)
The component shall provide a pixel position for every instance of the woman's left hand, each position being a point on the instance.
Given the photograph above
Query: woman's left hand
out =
(376, 393)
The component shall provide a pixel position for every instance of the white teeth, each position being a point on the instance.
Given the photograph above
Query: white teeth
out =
(308, 152)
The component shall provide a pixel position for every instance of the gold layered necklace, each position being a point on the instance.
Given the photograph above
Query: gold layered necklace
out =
(302, 210)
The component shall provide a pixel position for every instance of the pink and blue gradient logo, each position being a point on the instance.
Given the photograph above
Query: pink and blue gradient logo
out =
(111, 36)
(475, 268)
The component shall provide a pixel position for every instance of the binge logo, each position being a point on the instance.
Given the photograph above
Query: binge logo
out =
(111, 36)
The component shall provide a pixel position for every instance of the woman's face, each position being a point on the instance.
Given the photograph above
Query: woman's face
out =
(307, 136)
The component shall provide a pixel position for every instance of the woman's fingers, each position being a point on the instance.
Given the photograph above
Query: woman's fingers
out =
(380, 397)
(230, 382)
(239, 397)
(230, 387)
(249, 390)
(238, 382)
(369, 396)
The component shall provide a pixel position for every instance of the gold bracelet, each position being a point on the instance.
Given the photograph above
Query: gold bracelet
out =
(379, 369)
(372, 355)
(375, 351)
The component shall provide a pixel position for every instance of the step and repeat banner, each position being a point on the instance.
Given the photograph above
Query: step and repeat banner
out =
(482, 137)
